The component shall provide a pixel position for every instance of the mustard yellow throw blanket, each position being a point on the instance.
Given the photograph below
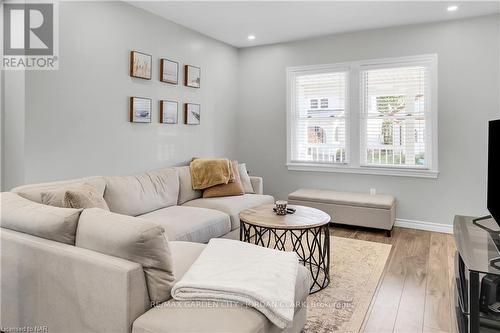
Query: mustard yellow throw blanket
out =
(206, 173)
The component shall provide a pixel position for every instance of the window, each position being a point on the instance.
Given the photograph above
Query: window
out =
(318, 133)
(394, 116)
(391, 128)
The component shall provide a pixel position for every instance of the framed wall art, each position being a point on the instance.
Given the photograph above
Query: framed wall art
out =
(140, 65)
(140, 110)
(192, 114)
(168, 112)
(169, 71)
(192, 76)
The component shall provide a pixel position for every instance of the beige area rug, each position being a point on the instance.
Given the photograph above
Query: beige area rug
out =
(355, 270)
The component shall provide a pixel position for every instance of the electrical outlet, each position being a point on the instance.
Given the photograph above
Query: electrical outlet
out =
(373, 191)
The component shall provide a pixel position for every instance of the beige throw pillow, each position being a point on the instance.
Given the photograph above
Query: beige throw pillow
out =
(74, 196)
(131, 238)
(33, 192)
(84, 197)
(245, 179)
(229, 189)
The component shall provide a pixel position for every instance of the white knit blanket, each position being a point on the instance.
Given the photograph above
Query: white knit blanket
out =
(233, 271)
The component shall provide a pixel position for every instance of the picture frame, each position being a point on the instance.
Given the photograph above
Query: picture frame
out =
(192, 114)
(140, 110)
(169, 71)
(192, 76)
(169, 112)
(141, 65)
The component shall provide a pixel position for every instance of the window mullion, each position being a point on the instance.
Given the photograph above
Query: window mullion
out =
(353, 118)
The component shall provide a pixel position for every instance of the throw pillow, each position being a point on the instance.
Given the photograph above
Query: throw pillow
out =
(186, 192)
(57, 197)
(84, 197)
(245, 179)
(229, 189)
(33, 192)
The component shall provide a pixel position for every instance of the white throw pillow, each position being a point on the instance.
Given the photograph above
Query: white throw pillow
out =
(245, 179)
(186, 192)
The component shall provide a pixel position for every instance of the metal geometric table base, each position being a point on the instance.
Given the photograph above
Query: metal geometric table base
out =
(312, 245)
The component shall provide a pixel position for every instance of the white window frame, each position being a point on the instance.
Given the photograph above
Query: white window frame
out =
(311, 70)
(353, 113)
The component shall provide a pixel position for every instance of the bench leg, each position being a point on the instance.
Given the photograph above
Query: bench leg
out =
(388, 233)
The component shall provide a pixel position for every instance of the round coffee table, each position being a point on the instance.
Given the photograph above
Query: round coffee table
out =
(304, 232)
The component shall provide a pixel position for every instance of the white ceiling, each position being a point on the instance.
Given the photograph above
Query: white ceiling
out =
(281, 21)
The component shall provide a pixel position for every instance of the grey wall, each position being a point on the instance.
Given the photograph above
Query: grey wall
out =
(468, 93)
(75, 123)
(12, 105)
(13, 128)
(76, 120)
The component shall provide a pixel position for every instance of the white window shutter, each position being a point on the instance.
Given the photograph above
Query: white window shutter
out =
(318, 117)
(395, 117)
(374, 116)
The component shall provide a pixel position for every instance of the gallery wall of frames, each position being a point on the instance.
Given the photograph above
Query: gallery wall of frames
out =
(141, 108)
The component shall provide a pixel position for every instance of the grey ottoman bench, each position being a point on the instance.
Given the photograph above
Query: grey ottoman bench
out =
(358, 209)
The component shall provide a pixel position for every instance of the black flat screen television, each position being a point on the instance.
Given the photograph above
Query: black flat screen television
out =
(494, 170)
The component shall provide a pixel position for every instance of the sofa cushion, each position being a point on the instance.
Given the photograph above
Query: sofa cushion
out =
(176, 316)
(143, 193)
(231, 188)
(192, 224)
(133, 239)
(186, 192)
(245, 178)
(33, 192)
(183, 256)
(232, 206)
(23, 215)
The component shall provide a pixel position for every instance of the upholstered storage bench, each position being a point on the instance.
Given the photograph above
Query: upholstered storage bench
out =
(359, 209)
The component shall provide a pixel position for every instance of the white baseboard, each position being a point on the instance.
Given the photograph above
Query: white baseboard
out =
(421, 225)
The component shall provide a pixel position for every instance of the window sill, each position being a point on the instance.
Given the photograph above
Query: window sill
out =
(399, 172)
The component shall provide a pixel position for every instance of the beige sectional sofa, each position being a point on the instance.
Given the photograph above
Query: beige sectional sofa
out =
(184, 213)
(47, 280)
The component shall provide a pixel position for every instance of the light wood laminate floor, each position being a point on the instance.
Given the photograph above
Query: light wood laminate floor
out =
(415, 293)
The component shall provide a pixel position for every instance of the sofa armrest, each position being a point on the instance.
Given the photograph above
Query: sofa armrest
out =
(257, 184)
(66, 288)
